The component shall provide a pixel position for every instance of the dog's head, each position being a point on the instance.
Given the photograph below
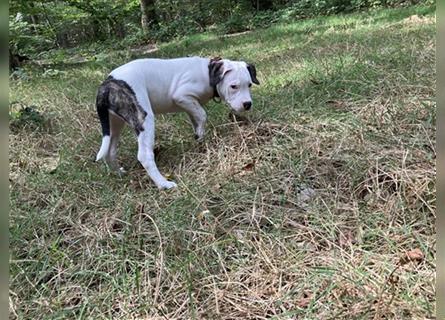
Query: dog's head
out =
(232, 80)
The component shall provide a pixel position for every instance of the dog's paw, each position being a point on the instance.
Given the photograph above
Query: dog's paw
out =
(199, 138)
(167, 185)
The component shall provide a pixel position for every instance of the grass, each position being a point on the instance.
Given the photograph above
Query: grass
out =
(302, 212)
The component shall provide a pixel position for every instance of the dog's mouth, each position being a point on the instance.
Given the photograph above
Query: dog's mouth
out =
(237, 110)
(234, 110)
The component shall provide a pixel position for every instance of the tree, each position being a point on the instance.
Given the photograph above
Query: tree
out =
(148, 14)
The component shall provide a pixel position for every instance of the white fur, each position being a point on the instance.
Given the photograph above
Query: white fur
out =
(236, 74)
(103, 151)
(174, 85)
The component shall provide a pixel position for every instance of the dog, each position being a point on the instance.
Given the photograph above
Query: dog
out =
(134, 92)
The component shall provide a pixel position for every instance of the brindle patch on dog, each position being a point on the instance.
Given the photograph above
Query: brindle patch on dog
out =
(118, 97)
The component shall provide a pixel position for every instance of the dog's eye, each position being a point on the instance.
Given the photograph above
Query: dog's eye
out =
(250, 85)
(234, 86)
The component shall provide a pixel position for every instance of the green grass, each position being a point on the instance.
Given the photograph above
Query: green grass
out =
(345, 111)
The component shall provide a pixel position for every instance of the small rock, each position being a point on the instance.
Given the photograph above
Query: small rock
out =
(304, 195)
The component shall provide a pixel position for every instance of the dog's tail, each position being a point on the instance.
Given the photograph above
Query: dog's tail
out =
(102, 105)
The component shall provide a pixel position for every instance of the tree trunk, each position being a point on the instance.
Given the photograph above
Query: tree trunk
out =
(148, 14)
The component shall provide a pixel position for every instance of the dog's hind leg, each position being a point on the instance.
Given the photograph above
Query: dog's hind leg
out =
(146, 142)
(116, 125)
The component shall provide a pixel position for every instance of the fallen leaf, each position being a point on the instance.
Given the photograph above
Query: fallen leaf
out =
(201, 215)
(304, 301)
(336, 104)
(394, 279)
(346, 238)
(216, 187)
(249, 166)
(168, 176)
(304, 195)
(415, 255)
(50, 164)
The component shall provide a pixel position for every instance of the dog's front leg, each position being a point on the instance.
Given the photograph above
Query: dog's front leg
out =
(198, 125)
(196, 113)
(146, 142)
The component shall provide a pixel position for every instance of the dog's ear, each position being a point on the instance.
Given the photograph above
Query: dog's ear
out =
(216, 68)
(252, 72)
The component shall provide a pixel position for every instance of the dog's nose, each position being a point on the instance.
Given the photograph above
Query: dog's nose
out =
(247, 105)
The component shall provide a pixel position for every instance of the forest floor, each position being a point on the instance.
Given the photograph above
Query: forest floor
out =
(321, 205)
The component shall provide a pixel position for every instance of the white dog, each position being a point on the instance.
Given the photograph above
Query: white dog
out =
(135, 92)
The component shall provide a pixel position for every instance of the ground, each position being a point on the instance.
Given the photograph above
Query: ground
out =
(319, 205)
